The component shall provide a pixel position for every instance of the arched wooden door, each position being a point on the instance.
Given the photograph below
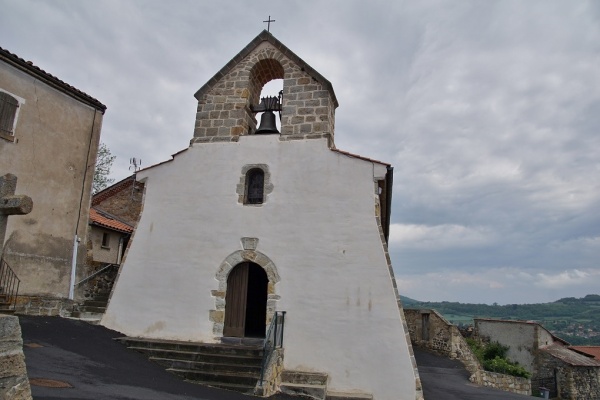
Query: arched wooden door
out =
(246, 301)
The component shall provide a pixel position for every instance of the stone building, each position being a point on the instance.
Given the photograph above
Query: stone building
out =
(49, 135)
(568, 375)
(108, 237)
(114, 213)
(242, 225)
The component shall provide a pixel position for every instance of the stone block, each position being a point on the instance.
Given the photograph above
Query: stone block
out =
(212, 131)
(237, 130)
(10, 330)
(216, 316)
(305, 96)
(12, 364)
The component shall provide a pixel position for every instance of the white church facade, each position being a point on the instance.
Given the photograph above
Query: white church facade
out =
(245, 223)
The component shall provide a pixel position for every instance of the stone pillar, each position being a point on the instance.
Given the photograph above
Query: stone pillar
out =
(14, 383)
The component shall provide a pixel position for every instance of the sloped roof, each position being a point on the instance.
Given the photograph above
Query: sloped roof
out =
(569, 356)
(112, 190)
(360, 157)
(106, 220)
(592, 351)
(265, 36)
(51, 80)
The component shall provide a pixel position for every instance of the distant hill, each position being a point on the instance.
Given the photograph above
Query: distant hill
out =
(408, 301)
(574, 320)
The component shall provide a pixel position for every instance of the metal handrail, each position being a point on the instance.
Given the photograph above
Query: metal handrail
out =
(9, 284)
(273, 340)
(95, 274)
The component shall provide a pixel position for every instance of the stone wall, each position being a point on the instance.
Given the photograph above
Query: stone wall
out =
(585, 382)
(41, 305)
(272, 376)
(101, 284)
(14, 383)
(442, 338)
(122, 200)
(507, 383)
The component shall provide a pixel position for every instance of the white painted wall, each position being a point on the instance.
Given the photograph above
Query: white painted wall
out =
(318, 227)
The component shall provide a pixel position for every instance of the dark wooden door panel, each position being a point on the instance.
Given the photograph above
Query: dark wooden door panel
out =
(235, 301)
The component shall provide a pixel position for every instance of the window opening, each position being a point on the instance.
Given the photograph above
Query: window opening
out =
(105, 240)
(8, 112)
(255, 186)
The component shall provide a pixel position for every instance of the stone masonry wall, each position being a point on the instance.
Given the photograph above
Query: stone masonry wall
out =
(14, 384)
(507, 383)
(572, 383)
(45, 306)
(125, 203)
(444, 339)
(224, 111)
(272, 376)
(586, 383)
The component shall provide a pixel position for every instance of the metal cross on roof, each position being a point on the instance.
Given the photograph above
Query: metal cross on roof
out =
(269, 23)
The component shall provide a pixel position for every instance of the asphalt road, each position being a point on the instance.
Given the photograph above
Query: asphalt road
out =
(445, 379)
(96, 367)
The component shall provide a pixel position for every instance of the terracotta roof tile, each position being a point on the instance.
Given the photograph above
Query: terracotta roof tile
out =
(569, 356)
(592, 351)
(105, 220)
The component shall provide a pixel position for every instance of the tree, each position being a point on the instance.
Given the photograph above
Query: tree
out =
(104, 161)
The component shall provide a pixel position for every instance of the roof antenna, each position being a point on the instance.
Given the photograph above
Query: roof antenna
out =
(136, 165)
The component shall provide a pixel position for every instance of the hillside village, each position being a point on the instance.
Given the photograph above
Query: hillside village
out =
(575, 320)
(118, 259)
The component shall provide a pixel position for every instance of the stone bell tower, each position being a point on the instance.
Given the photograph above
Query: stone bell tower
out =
(226, 102)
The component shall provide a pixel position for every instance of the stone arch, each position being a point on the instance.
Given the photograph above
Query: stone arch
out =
(262, 73)
(217, 316)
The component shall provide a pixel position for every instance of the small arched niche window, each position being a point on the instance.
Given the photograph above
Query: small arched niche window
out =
(255, 186)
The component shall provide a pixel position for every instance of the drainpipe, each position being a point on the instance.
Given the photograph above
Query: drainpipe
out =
(73, 268)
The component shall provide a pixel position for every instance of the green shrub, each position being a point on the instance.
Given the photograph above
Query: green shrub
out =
(503, 366)
(476, 348)
(493, 358)
(494, 350)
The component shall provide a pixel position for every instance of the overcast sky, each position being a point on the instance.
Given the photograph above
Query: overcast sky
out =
(488, 110)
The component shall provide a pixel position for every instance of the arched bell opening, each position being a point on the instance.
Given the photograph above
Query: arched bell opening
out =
(266, 90)
(246, 301)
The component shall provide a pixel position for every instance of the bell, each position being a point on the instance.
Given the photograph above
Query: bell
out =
(267, 124)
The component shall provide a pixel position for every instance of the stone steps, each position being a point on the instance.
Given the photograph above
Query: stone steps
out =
(92, 309)
(306, 384)
(226, 366)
